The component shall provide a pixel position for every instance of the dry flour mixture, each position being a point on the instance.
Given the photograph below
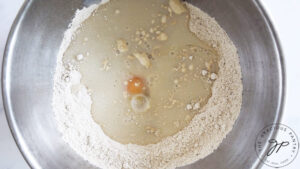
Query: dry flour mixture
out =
(145, 84)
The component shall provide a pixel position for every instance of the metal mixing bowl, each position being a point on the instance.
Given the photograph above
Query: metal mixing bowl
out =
(29, 64)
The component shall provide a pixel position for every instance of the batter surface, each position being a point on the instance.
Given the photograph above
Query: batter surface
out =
(175, 72)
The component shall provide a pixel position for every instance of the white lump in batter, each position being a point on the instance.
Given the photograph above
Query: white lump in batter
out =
(144, 99)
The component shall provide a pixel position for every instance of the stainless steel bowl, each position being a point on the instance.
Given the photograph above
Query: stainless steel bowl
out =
(29, 64)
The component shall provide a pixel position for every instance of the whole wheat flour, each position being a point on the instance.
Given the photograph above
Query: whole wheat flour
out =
(200, 138)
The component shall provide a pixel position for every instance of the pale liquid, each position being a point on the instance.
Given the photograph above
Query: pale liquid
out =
(104, 70)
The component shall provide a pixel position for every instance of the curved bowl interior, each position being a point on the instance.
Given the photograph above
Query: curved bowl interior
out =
(30, 60)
